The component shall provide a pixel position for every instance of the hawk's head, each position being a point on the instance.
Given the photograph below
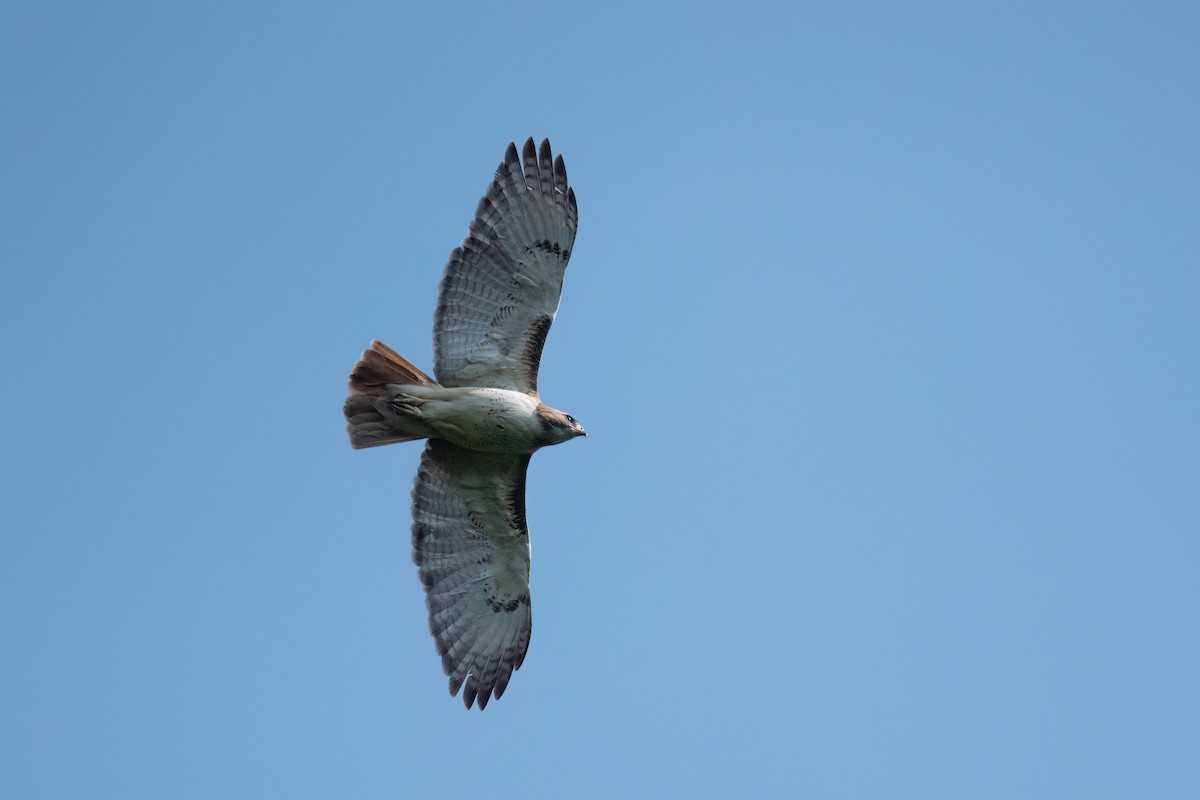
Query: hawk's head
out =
(557, 427)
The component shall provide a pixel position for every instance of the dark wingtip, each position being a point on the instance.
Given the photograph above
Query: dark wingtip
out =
(529, 151)
(571, 198)
(544, 154)
(510, 155)
(560, 169)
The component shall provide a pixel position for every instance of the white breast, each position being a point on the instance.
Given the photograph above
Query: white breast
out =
(492, 420)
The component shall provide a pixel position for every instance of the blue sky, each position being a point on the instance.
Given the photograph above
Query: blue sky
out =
(883, 323)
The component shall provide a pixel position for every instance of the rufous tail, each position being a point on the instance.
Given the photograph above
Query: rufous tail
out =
(379, 367)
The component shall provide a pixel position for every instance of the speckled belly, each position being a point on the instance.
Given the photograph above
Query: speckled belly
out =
(491, 420)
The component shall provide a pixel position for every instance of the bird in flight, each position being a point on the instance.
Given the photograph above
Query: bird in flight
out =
(482, 417)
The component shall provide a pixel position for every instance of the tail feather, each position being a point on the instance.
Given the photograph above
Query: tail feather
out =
(369, 428)
(379, 366)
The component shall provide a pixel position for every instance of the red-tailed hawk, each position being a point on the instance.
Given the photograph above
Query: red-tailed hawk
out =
(482, 416)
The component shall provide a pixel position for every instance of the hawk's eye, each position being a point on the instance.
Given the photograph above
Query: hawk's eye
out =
(570, 419)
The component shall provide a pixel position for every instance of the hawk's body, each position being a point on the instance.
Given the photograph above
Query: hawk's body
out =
(482, 416)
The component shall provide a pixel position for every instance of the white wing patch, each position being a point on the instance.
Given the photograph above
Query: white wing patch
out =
(471, 543)
(501, 287)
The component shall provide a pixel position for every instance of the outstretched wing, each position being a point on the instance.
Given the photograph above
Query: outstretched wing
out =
(472, 546)
(501, 288)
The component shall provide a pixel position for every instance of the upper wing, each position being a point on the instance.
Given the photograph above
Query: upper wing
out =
(472, 546)
(501, 287)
